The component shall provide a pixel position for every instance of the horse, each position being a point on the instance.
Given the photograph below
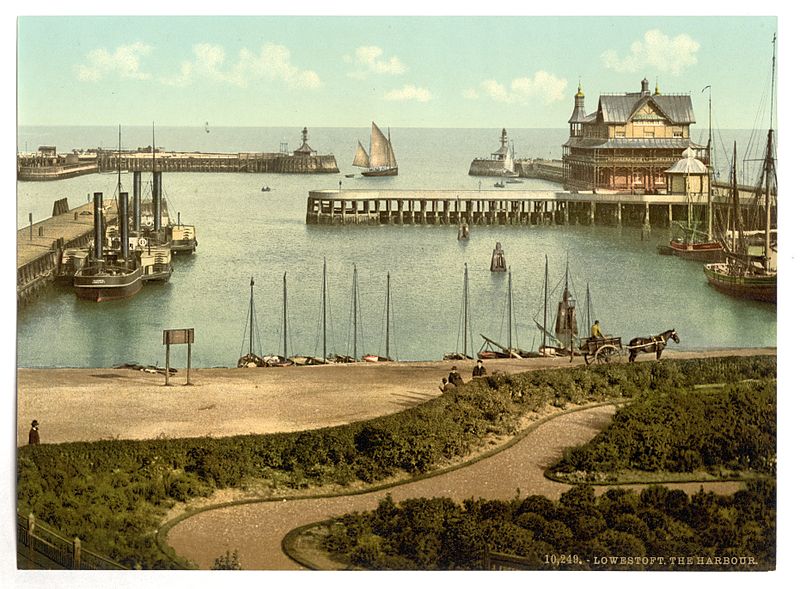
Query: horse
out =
(654, 343)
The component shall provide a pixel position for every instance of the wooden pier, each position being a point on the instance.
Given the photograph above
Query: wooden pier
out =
(40, 245)
(498, 207)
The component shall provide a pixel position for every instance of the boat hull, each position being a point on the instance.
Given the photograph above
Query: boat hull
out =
(705, 251)
(380, 172)
(99, 287)
(749, 286)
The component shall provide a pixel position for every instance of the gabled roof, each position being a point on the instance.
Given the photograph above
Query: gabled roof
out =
(618, 109)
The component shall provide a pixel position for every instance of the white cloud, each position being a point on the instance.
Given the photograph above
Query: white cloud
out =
(123, 62)
(272, 62)
(368, 58)
(409, 92)
(543, 86)
(657, 51)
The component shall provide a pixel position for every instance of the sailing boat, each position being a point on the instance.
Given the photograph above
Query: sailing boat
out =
(116, 274)
(744, 275)
(488, 352)
(465, 306)
(284, 360)
(560, 343)
(696, 245)
(380, 161)
(251, 359)
(386, 358)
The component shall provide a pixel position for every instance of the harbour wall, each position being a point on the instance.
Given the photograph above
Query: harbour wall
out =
(550, 170)
(498, 207)
(44, 173)
(40, 246)
(245, 162)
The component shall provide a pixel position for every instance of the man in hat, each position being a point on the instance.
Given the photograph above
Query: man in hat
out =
(33, 435)
(479, 370)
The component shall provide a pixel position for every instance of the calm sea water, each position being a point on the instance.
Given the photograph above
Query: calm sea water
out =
(243, 232)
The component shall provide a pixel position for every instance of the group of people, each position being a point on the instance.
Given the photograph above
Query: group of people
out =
(454, 378)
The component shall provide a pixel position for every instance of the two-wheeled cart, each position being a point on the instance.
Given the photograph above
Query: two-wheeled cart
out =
(602, 350)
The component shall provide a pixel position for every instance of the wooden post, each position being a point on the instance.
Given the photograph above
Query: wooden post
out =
(188, 363)
(76, 554)
(31, 531)
(30, 220)
(166, 372)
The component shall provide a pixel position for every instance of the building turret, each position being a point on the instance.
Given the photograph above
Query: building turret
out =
(645, 87)
(578, 114)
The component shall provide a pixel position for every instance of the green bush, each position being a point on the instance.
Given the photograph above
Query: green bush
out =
(142, 479)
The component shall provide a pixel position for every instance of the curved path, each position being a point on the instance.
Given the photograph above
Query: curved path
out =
(257, 529)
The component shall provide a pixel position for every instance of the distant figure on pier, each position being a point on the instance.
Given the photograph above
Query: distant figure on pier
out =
(454, 377)
(596, 333)
(446, 386)
(479, 370)
(33, 435)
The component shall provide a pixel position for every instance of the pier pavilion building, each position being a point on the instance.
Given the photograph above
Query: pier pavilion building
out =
(629, 142)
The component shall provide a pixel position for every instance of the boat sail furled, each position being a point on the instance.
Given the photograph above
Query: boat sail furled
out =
(380, 160)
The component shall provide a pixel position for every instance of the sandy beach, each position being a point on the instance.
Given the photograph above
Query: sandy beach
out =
(90, 404)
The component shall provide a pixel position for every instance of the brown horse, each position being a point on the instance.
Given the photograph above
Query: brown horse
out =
(648, 345)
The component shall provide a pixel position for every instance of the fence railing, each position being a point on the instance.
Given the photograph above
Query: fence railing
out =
(66, 553)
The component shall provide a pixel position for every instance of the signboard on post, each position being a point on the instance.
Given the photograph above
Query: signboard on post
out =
(179, 336)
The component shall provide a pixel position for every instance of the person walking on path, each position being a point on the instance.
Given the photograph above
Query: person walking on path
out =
(33, 435)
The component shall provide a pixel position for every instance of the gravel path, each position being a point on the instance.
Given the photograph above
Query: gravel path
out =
(256, 530)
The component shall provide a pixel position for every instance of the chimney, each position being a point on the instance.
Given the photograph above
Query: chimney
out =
(156, 201)
(645, 87)
(137, 201)
(98, 225)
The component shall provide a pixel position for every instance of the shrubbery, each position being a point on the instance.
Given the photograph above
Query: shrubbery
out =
(112, 494)
(436, 534)
(734, 428)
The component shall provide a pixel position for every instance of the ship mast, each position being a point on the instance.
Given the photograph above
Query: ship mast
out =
(509, 307)
(324, 309)
(710, 170)
(252, 312)
(388, 301)
(466, 306)
(544, 325)
(285, 317)
(355, 313)
(769, 168)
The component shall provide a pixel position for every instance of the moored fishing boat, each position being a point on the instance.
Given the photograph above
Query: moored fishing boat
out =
(463, 322)
(691, 243)
(744, 275)
(493, 350)
(251, 359)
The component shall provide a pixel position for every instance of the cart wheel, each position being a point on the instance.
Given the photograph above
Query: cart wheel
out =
(607, 354)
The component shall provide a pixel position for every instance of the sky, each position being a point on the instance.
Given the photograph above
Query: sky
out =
(404, 71)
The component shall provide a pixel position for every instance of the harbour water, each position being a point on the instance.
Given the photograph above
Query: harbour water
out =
(244, 232)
